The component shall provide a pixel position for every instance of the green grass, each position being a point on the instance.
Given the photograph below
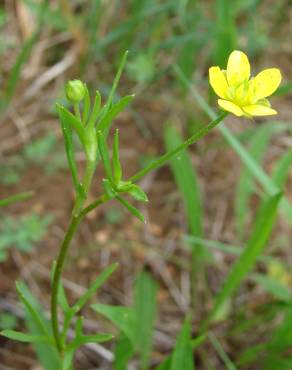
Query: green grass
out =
(191, 35)
(265, 219)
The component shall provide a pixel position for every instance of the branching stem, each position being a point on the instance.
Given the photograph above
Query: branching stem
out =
(79, 216)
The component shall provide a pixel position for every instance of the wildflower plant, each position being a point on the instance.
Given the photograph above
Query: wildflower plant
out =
(91, 122)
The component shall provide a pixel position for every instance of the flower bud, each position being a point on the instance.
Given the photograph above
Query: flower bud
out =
(75, 91)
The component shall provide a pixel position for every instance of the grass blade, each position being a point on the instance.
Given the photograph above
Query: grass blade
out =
(123, 317)
(282, 168)
(280, 343)
(225, 31)
(16, 198)
(124, 350)
(182, 357)
(38, 325)
(220, 350)
(145, 311)
(187, 182)
(264, 223)
(245, 185)
(22, 57)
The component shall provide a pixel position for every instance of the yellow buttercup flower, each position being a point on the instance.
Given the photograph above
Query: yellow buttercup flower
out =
(240, 94)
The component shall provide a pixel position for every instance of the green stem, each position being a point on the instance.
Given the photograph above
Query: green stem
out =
(57, 278)
(89, 172)
(75, 221)
(167, 156)
(77, 111)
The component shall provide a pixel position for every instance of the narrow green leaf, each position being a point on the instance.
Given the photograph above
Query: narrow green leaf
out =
(16, 198)
(23, 337)
(198, 341)
(284, 89)
(264, 223)
(274, 287)
(38, 325)
(246, 184)
(96, 109)
(14, 76)
(68, 359)
(195, 343)
(68, 119)
(117, 168)
(67, 134)
(225, 31)
(278, 354)
(104, 153)
(99, 281)
(124, 351)
(98, 338)
(145, 308)
(187, 181)
(79, 326)
(282, 169)
(166, 364)
(35, 315)
(123, 317)
(105, 122)
(86, 107)
(223, 355)
(135, 212)
(182, 357)
(137, 193)
(117, 78)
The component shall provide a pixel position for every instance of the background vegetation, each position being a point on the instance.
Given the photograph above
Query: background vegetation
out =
(204, 253)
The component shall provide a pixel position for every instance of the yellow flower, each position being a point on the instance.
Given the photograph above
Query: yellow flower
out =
(240, 94)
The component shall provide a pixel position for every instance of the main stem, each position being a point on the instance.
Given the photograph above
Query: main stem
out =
(57, 278)
(75, 221)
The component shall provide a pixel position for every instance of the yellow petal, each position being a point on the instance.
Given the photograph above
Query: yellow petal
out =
(267, 82)
(230, 107)
(238, 68)
(259, 110)
(218, 81)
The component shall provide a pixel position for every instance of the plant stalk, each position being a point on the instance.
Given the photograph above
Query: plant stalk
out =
(75, 221)
(168, 155)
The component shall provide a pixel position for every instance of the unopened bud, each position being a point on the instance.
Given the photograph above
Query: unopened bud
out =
(75, 91)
